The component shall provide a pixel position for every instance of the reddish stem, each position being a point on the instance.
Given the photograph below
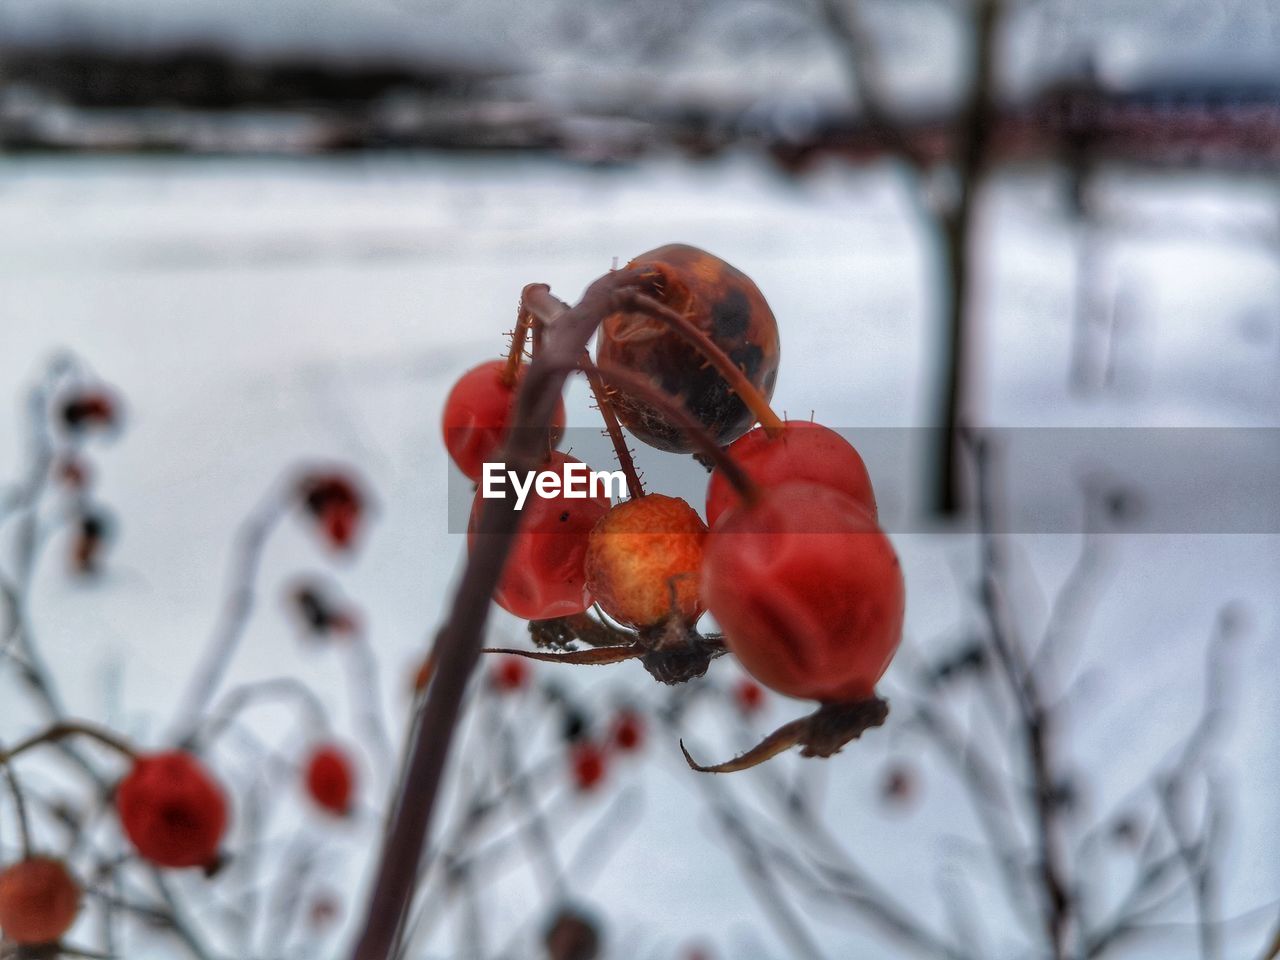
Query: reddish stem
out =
(644, 389)
(611, 425)
(515, 356)
(545, 311)
(459, 640)
(738, 381)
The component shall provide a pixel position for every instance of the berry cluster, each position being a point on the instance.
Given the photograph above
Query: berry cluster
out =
(790, 560)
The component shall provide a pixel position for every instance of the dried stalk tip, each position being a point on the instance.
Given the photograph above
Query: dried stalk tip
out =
(673, 652)
(822, 733)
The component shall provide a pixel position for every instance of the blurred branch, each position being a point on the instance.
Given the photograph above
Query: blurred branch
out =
(857, 51)
(250, 539)
(1037, 733)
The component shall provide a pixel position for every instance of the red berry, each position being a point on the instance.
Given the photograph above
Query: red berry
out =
(39, 900)
(509, 674)
(627, 734)
(803, 451)
(723, 303)
(643, 561)
(588, 765)
(808, 592)
(331, 779)
(172, 810)
(476, 415)
(748, 695)
(544, 575)
(336, 504)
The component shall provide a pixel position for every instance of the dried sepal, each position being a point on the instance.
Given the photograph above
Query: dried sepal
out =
(593, 655)
(821, 734)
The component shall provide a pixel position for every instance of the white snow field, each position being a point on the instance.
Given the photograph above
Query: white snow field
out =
(256, 313)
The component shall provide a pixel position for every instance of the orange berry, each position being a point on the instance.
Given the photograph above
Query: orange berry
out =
(644, 560)
(39, 900)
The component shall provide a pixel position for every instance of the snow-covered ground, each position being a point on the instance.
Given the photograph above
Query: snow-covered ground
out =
(259, 313)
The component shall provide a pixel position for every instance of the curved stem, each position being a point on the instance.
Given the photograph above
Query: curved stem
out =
(251, 539)
(548, 308)
(612, 427)
(738, 381)
(69, 728)
(19, 810)
(644, 389)
(243, 697)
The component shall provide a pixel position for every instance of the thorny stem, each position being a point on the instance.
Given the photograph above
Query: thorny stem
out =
(459, 639)
(603, 402)
(515, 356)
(548, 313)
(644, 389)
(738, 381)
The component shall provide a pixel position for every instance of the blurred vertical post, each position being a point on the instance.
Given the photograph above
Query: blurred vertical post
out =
(953, 215)
(969, 151)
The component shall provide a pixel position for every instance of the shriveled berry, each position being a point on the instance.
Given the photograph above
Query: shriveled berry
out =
(93, 530)
(172, 810)
(477, 413)
(574, 725)
(39, 901)
(509, 674)
(544, 576)
(89, 409)
(320, 614)
(336, 504)
(643, 561)
(720, 301)
(331, 779)
(808, 592)
(587, 764)
(804, 451)
(627, 733)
